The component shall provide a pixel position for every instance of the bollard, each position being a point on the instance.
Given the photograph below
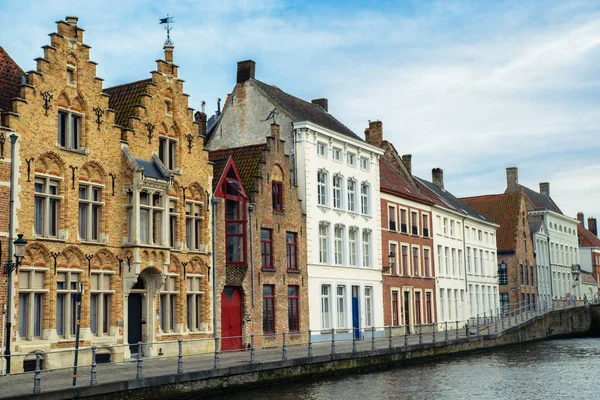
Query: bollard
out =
(485, 321)
(216, 364)
(138, 375)
(446, 331)
(433, 332)
(354, 340)
(180, 357)
(516, 318)
(372, 338)
(522, 314)
(391, 340)
(284, 348)
(477, 322)
(457, 329)
(251, 348)
(420, 334)
(496, 325)
(309, 343)
(502, 320)
(93, 380)
(406, 335)
(38, 373)
(333, 341)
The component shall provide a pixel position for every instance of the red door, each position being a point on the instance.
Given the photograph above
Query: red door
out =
(231, 319)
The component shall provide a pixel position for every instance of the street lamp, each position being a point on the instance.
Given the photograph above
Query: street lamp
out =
(391, 260)
(19, 250)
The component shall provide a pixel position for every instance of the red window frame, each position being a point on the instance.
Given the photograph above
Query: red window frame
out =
(291, 251)
(229, 196)
(277, 191)
(428, 307)
(269, 309)
(293, 309)
(426, 262)
(404, 260)
(415, 261)
(418, 307)
(395, 309)
(266, 244)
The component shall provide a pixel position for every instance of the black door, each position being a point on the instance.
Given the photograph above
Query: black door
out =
(134, 313)
(407, 312)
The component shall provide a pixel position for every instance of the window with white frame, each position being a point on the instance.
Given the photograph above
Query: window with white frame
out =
(445, 226)
(90, 208)
(341, 306)
(351, 159)
(447, 259)
(366, 248)
(151, 211)
(167, 150)
(323, 243)
(322, 188)
(414, 221)
(351, 195)
(100, 300)
(368, 306)
(415, 261)
(193, 225)
(452, 227)
(403, 221)
(168, 300)
(394, 252)
(338, 244)
(352, 247)
(426, 263)
(405, 262)
(468, 259)
(364, 163)
(453, 262)
(31, 302)
(69, 130)
(322, 149)
(337, 191)
(336, 154)
(392, 218)
(364, 198)
(439, 260)
(460, 262)
(325, 307)
(481, 264)
(173, 218)
(46, 206)
(194, 295)
(66, 302)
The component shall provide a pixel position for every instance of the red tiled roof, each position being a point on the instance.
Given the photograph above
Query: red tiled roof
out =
(503, 209)
(391, 181)
(124, 98)
(588, 277)
(247, 160)
(11, 76)
(587, 238)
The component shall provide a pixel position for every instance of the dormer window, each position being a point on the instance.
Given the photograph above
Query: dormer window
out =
(69, 130)
(167, 149)
(168, 107)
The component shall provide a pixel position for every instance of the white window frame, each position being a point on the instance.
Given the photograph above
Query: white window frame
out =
(365, 198)
(323, 243)
(351, 186)
(393, 213)
(322, 188)
(338, 245)
(105, 296)
(341, 306)
(364, 163)
(194, 297)
(366, 248)
(47, 199)
(353, 247)
(325, 306)
(193, 221)
(336, 154)
(338, 192)
(368, 306)
(322, 149)
(394, 248)
(416, 269)
(90, 204)
(69, 303)
(31, 293)
(151, 210)
(72, 132)
(168, 304)
(351, 159)
(167, 151)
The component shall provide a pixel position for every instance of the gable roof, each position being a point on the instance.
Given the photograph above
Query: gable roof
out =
(539, 201)
(535, 223)
(302, 110)
(588, 277)
(445, 199)
(587, 238)
(247, 161)
(11, 76)
(124, 98)
(503, 209)
(392, 182)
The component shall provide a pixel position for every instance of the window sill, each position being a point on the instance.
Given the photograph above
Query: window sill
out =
(268, 269)
(92, 243)
(83, 151)
(49, 239)
(293, 271)
(342, 330)
(170, 334)
(280, 212)
(269, 335)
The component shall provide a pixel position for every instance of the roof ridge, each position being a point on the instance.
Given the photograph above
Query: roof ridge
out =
(488, 195)
(127, 84)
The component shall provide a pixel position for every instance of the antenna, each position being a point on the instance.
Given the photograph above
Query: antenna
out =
(169, 21)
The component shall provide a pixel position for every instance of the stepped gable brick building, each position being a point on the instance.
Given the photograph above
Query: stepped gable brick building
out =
(554, 240)
(262, 285)
(589, 253)
(409, 297)
(111, 192)
(517, 282)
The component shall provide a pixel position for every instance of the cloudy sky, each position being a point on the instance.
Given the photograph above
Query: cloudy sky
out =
(468, 86)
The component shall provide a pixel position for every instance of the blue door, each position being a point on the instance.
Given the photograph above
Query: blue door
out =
(355, 313)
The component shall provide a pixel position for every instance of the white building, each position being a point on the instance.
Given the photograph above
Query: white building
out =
(589, 255)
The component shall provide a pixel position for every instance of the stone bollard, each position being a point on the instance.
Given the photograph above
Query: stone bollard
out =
(216, 363)
(38, 373)
(433, 332)
(310, 343)
(406, 328)
(284, 348)
(138, 374)
(354, 340)
(252, 348)
(333, 341)
(180, 357)
(391, 339)
(372, 338)
(93, 373)
(420, 334)
(457, 329)
(446, 331)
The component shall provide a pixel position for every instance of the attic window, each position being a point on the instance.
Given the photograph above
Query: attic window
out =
(168, 107)
(71, 75)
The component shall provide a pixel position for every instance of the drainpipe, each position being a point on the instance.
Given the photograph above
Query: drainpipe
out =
(465, 265)
(549, 260)
(250, 210)
(214, 202)
(295, 155)
(11, 227)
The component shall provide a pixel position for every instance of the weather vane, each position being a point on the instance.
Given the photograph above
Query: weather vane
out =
(169, 21)
(272, 115)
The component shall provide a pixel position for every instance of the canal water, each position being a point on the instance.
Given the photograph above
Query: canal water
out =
(557, 369)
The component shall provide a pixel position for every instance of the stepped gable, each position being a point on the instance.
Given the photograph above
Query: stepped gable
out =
(247, 161)
(124, 98)
(502, 209)
(392, 182)
(11, 77)
(587, 238)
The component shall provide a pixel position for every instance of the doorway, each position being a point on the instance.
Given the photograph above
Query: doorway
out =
(355, 313)
(134, 323)
(231, 319)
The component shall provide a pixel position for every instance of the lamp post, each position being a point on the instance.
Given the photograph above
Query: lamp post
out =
(8, 268)
(391, 260)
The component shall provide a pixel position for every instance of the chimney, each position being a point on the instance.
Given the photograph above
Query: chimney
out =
(245, 70)
(407, 161)
(321, 103)
(512, 179)
(592, 226)
(374, 133)
(200, 119)
(275, 131)
(437, 176)
(71, 20)
(545, 188)
(581, 219)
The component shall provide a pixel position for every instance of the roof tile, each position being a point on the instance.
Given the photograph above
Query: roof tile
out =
(247, 160)
(11, 76)
(124, 98)
(587, 238)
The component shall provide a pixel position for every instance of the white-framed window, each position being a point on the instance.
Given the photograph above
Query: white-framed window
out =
(416, 261)
(403, 220)
(414, 222)
(392, 223)
(364, 198)
(100, 302)
(341, 306)
(323, 243)
(337, 191)
(322, 188)
(69, 130)
(479, 235)
(352, 247)
(167, 151)
(366, 248)
(468, 259)
(46, 206)
(460, 262)
(368, 306)
(447, 259)
(322, 149)
(442, 310)
(66, 302)
(168, 301)
(173, 219)
(452, 227)
(194, 302)
(351, 195)
(364, 163)
(483, 272)
(439, 260)
(151, 211)
(336, 154)
(394, 250)
(445, 226)
(325, 307)
(351, 159)
(71, 75)
(31, 302)
(426, 262)
(90, 209)
(193, 225)
(338, 237)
